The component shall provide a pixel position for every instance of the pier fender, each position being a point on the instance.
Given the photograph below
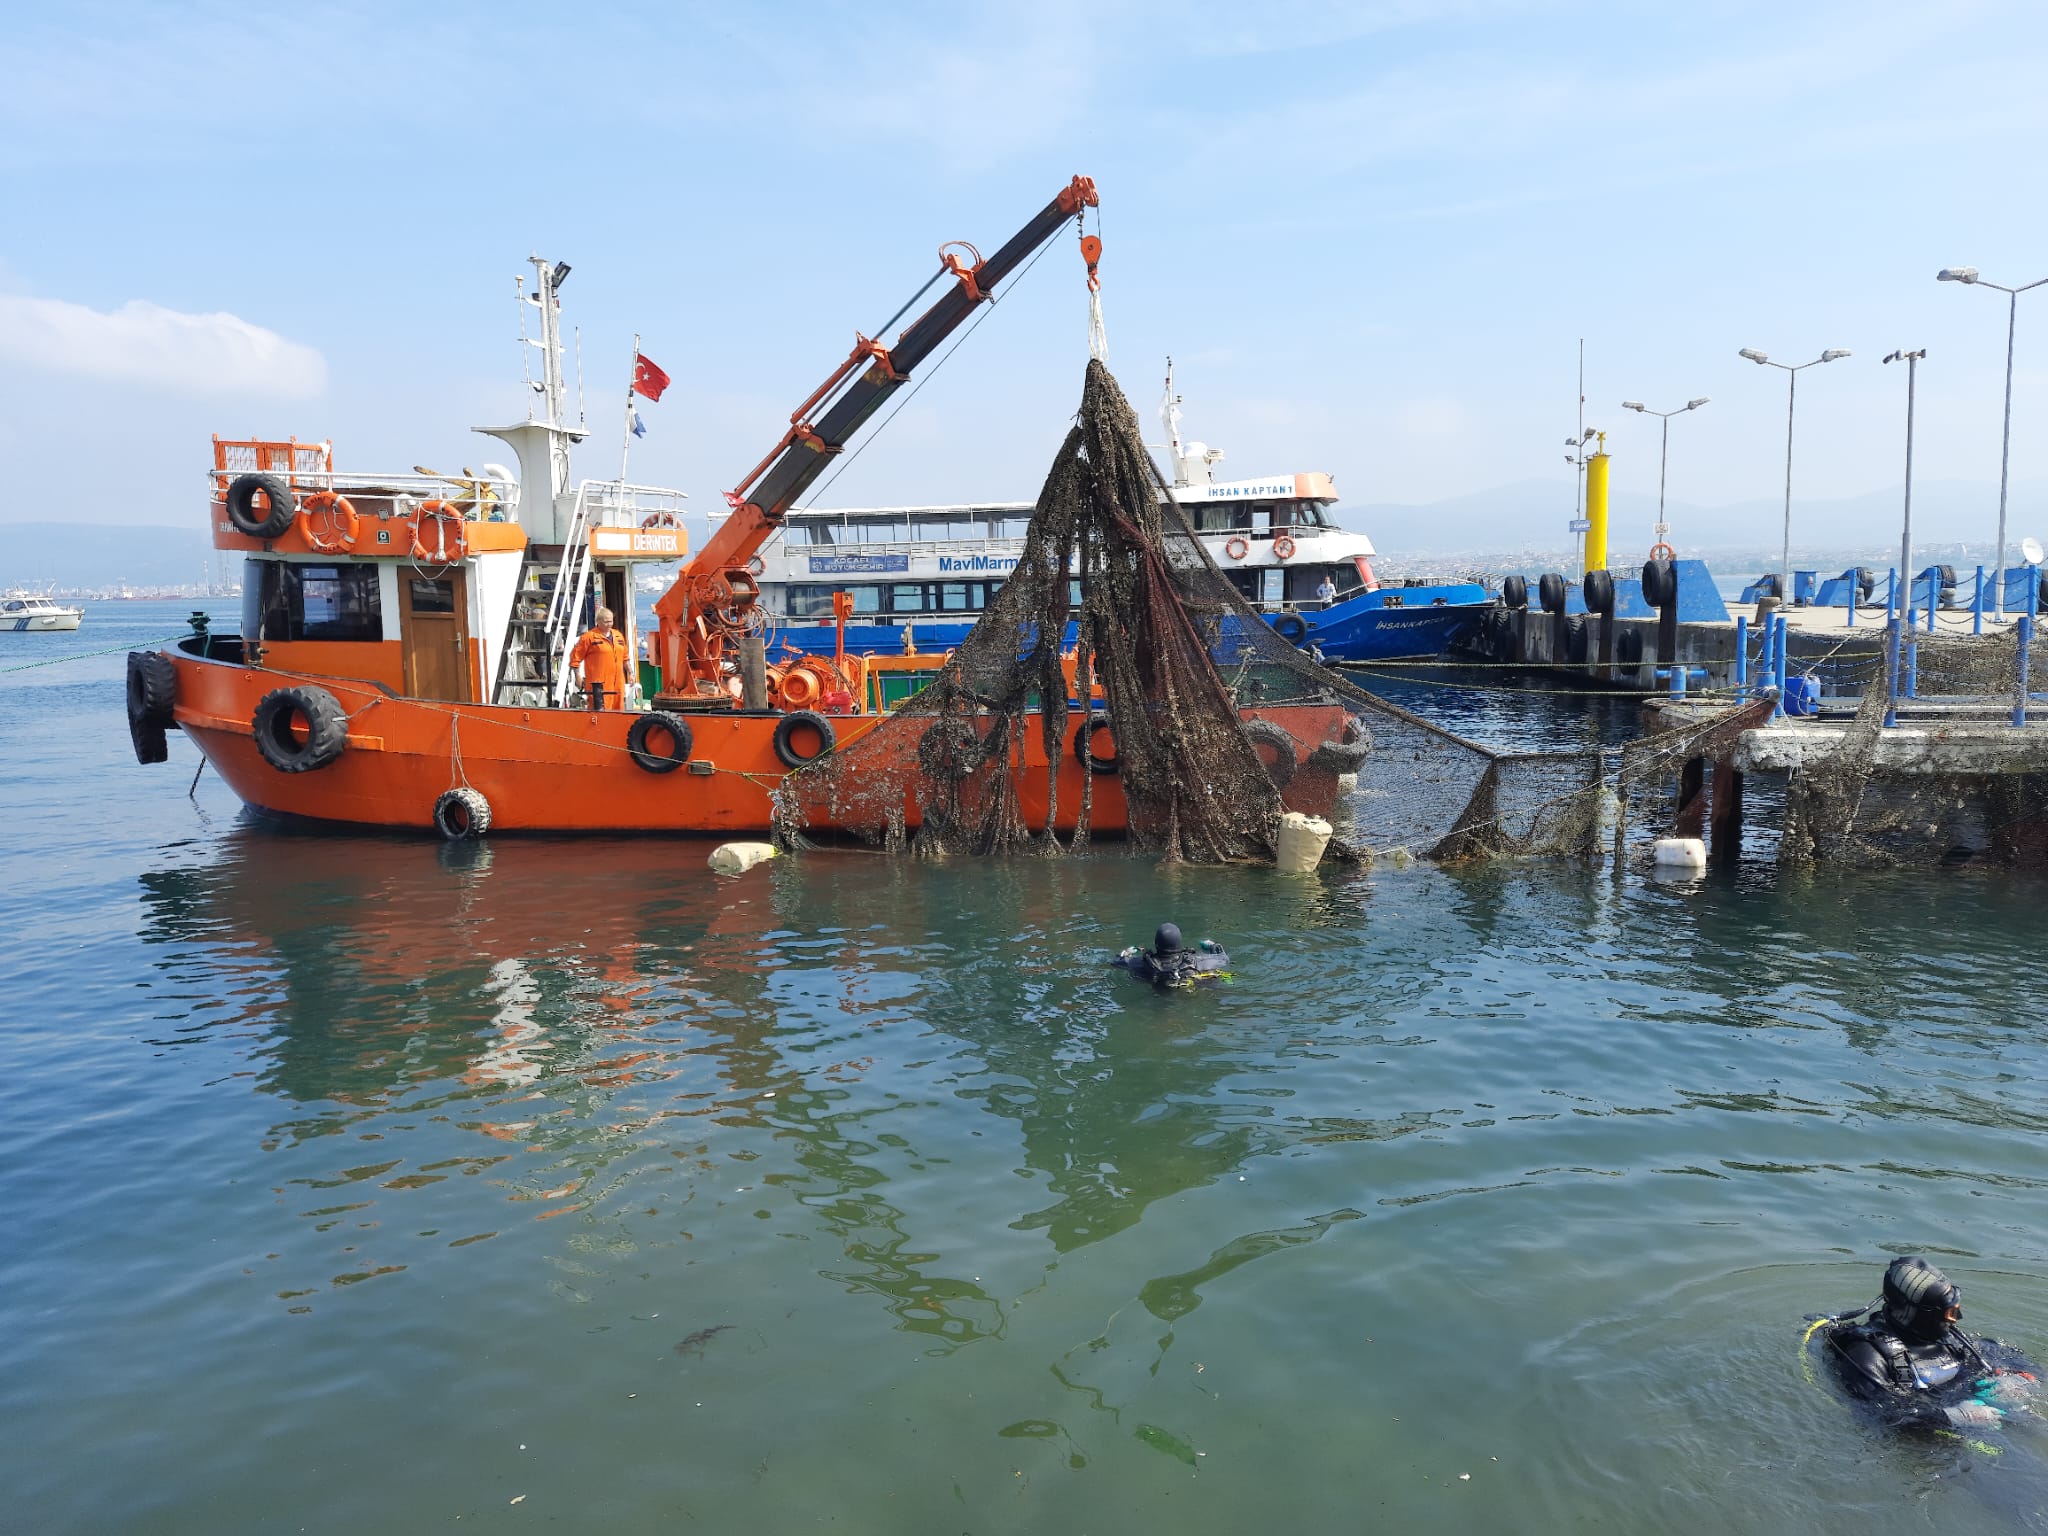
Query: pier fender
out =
(276, 726)
(1278, 756)
(1514, 591)
(1550, 592)
(1084, 745)
(738, 858)
(1578, 644)
(1660, 583)
(1291, 627)
(278, 511)
(1599, 589)
(462, 815)
(657, 723)
(797, 732)
(152, 690)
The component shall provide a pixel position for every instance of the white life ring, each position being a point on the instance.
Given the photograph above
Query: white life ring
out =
(1237, 549)
(1283, 548)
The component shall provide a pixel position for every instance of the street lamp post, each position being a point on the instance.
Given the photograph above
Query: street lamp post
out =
(1791, 396)
(1905, 585)
(1968, 275)
(1663, 455)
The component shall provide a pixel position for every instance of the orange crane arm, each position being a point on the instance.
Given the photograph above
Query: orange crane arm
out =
(713, 594)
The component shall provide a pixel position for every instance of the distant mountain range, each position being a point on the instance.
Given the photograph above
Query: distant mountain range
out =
(1509, 527)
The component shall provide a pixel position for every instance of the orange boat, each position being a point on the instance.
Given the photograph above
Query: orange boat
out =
(404, 656)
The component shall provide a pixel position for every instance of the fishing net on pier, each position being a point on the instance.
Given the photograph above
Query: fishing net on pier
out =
(1178, 717)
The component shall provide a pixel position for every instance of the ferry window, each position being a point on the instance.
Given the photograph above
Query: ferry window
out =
(865, 599)
(951, 525)
(286, 601)
(1215, 517)
(1074, 593)
(428, 596)
(954, 596)
(1262, 518)
(821, 533)
(907, 597)
(1009, 527)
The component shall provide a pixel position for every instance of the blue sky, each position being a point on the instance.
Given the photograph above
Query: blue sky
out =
(1370, 235)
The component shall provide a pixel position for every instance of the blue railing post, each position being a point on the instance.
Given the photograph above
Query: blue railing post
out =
(1784, 668)
(1933, 595)
(1741, 653)
(1891, 671)
(1977, 605)
(1891, 594)
(2019, 702)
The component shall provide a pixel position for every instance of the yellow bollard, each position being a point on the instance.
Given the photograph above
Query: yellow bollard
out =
(1596, 509)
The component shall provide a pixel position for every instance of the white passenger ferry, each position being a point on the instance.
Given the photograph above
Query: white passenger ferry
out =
(935, 568)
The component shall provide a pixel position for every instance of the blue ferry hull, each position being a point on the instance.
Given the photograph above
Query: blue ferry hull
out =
(1421, 621)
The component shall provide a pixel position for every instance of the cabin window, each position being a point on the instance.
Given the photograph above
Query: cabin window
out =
(948, 526)
(1215, 517)
(1262, 517)
(820, 533)
(284, 600)
(907, 597)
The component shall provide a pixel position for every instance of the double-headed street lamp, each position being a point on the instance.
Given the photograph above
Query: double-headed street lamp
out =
(1663, 459)
(1791, 395)
(1969, 275)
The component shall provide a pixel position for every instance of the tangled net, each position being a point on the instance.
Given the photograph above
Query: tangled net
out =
(1218, 724)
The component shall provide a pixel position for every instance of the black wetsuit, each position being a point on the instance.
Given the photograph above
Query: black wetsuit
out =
(1178, 968)
(1907, 1381)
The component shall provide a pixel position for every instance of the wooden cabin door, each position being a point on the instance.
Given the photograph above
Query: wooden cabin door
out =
(433, 620)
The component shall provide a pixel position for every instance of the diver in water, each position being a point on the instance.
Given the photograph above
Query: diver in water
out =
(1169, 964)
(1905, 1357)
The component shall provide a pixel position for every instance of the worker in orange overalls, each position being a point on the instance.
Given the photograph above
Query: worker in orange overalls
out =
(601, 653)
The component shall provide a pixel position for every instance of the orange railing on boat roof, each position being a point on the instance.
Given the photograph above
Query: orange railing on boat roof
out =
(288, 456)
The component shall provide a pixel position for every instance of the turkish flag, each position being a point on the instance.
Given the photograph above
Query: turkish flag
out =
(648, 379)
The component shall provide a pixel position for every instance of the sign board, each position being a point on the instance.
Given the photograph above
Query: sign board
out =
(857, 565)
(639, 543)
(1580, 525)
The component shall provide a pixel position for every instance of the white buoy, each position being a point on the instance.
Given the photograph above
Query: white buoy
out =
(1302, 841)
(1346, 782)
(738, 858)
(1679, 853)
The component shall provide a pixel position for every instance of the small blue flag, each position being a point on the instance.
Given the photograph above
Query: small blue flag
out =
(639, 428)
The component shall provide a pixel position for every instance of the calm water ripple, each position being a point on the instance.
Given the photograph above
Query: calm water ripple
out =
(357, 1182)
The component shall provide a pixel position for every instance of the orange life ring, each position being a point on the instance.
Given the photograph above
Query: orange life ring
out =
(1237, 549)
(1283, 548)
(1661, 551)
(661, 520)
(325, 510)
(446, 549)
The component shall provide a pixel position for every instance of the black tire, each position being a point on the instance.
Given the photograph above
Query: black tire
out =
(1291, 627)
(1347, 754)
(152, 689)
(676, 730)
(1866, 582)
(1550, 592)
(1599, 590)
(1660, 583)
(1514, 591)
(1628, 648)
(282, 747)
(242, 506)
(1084, 749)
(149, 741)
(786, 732)
(1577, 641)
(462, 815)
(1280, 768)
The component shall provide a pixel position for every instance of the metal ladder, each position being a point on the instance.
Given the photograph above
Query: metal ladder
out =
(566, 604)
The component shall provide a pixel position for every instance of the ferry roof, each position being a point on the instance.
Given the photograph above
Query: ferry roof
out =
(1312, 486)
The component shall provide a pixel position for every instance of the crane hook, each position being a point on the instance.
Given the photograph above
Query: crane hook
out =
(1091, 252)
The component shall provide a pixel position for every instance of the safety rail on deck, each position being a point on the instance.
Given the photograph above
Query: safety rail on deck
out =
(619, 504)
(478, 498)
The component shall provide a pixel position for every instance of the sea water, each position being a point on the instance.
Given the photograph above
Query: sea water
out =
(357, 1183)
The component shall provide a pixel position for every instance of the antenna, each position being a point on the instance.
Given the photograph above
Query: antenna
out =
(525, 356)
(581, 419)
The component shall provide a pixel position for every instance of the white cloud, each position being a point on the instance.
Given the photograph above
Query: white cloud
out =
(144, 343)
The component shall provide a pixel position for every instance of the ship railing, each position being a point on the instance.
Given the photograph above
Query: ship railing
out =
(479, 498)
(599, 504)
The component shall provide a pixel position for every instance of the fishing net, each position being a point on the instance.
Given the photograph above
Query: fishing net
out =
(1178, 716)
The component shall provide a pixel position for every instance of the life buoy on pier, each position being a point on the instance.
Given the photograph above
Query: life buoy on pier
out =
(448, 540)
(328, 523)
(1662, 551)
(1237, 548)
(1283, 548)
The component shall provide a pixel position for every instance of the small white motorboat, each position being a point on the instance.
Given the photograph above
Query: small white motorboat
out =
(29, 613)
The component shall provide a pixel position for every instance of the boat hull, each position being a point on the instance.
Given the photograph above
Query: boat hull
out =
(560, 770)
(39, 623)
